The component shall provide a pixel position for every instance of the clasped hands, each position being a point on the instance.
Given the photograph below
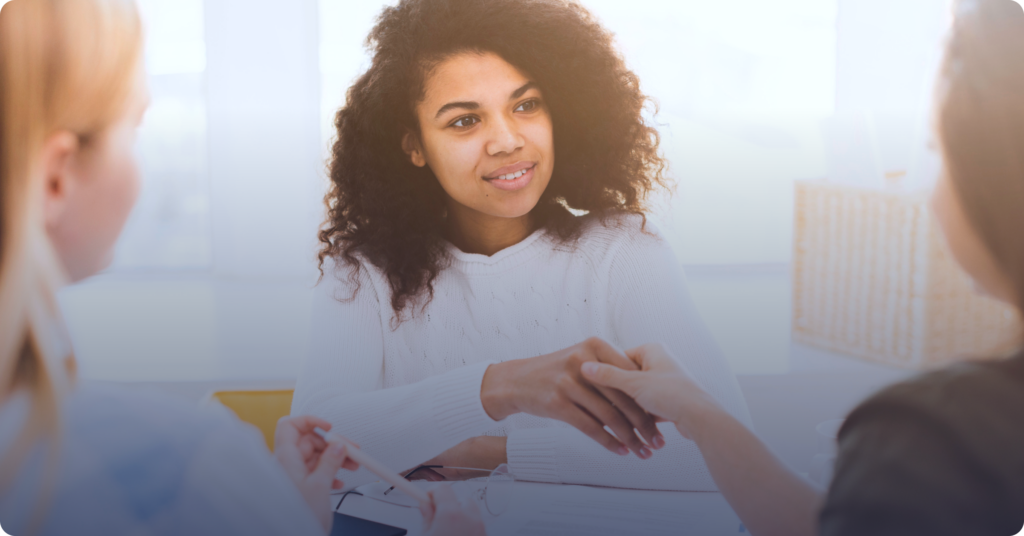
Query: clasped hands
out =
(591, 386)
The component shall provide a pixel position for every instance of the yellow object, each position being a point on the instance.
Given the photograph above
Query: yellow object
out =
(262, 409)
(872, 278)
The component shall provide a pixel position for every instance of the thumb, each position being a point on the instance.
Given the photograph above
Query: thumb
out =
(609, 376)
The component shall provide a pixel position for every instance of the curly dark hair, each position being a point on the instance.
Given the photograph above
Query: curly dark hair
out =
(384, 209)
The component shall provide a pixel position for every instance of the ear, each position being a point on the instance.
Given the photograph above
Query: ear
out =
(59, 151)
(414, 149)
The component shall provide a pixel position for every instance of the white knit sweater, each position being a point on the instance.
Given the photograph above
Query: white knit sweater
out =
(407, 394)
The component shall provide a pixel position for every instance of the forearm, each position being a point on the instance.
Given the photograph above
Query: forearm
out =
(767, 496)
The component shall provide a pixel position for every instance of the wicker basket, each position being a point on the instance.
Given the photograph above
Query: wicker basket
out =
(871, 278)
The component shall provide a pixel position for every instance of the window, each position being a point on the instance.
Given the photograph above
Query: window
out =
(343, 29)
(170, 226)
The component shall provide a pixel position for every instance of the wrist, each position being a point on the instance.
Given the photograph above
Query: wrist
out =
(498, 401)
(698, 422)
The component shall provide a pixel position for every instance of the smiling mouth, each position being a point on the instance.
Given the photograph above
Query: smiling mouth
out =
(511, 176)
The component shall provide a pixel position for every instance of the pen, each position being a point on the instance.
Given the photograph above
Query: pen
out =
(377, 468)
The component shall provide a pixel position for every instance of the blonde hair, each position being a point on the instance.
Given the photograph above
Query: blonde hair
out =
(981, 127)
(65, 66)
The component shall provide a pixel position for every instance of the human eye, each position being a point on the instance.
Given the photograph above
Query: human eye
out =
(528, 105)
(464, 122)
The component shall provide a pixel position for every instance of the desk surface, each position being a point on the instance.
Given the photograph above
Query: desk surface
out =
(549, 509)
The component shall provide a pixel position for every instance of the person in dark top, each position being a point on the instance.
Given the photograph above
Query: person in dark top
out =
(942, 454)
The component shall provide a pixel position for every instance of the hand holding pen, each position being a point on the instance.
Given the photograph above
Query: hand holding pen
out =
(312, 462)
(443, 512)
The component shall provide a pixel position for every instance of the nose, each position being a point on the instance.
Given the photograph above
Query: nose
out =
(504, 137)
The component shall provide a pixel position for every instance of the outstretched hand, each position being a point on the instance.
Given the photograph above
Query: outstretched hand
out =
(553, 386)
(768, 497)
(660, 386)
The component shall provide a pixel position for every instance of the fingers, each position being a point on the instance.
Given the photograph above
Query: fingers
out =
(621, 389)
(287, 450)
(654, 357)
(610, 416)
(298, 432)
(306, 423)
(587, 424)
(350, 465)
(285, 433)
(330, 462)
(642, 421)
(310, 444)
(319, 445)
(609, 376)
(606, 353)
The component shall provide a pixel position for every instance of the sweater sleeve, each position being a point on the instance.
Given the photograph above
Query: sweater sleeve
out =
(342, 381)
(648, 303)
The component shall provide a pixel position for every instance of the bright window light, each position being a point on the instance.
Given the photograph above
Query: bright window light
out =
(175, 43)
(170, 225)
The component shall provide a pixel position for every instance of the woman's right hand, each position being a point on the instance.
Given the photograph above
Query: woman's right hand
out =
(449, 517)
(552, 386)
(661, 387)
(311, 462)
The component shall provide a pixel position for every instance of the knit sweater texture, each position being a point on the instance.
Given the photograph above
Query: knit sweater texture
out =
(407, 392)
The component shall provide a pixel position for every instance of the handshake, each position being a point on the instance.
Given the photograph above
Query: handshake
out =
(593, 385)
(614, 397)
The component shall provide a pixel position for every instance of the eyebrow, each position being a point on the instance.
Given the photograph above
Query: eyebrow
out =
(470, 105)
(454, 105)
(525, 87)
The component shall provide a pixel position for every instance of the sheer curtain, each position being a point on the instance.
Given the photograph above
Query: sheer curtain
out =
(230, 146)
(170, 226)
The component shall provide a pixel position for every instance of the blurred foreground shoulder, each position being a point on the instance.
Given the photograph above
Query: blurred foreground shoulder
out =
(936, 455)
(131, 462)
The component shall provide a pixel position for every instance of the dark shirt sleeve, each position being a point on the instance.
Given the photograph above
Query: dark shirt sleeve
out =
(906, 468)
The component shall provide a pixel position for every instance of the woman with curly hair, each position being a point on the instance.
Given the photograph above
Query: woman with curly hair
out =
(486, 236)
